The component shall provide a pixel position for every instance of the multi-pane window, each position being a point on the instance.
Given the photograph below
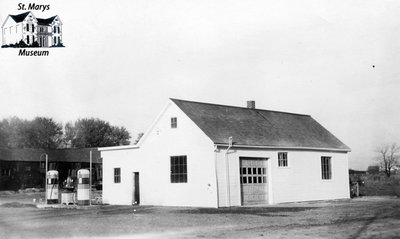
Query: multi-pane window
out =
(253, 175)
(174, 122)
(117, 175)
(6, 172)
(282, 159)
(178, 169)
(326, 168)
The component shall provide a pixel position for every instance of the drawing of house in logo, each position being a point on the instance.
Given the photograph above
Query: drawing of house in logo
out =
(28, 30)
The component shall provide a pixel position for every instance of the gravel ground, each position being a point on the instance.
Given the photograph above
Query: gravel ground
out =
(368, 217)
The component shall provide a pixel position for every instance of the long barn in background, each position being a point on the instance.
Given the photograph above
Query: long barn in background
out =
(210, 155)
(25, 168)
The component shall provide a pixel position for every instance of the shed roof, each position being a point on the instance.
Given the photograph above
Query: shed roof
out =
(257, 127)
(56, 155)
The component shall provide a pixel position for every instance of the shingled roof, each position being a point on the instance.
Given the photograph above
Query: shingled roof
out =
(255, 127)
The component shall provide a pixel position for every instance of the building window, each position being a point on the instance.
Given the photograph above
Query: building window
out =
(27, 39)
(178, 169)
(253, 175)
(174, 122)
(55, 41)
(54, 30)
(326, 168)
(58, 28)
(33, 28)
(117, 175)
(59, 39)
(27, 27)
(6, 172)
(282, 159)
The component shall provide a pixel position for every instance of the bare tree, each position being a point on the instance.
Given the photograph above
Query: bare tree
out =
(388, 156)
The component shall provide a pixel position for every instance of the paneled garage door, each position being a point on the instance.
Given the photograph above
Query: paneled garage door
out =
(253, 180)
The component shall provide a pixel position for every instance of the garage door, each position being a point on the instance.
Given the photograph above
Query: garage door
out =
(253, 180)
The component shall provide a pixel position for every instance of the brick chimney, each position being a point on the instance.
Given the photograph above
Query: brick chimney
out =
(251, 104)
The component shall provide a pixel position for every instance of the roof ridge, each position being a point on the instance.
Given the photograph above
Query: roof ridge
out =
(240, 107)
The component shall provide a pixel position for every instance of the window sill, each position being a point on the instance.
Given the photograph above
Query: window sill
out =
(327, 180)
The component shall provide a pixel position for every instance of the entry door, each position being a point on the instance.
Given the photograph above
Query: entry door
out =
(136, 189)
(253, 180)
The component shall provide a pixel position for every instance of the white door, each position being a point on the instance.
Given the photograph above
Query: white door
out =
(253, 180)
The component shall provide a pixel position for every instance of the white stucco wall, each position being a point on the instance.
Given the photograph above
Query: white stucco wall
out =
(152, 161)
(300, 181)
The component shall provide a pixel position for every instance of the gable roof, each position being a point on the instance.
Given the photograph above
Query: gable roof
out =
(256, 127)
(19, 17)
(47, 21)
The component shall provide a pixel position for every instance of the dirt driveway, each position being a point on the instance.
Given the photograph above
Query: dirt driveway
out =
(370, 217)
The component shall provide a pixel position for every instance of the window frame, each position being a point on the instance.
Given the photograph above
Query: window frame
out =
(326, 168)
(178, 169)
(283, 162)
(117, 175)
(174, 122)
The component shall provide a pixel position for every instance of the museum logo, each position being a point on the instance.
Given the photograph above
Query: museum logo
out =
(25, 30)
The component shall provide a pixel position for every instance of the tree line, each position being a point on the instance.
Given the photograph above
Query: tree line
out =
(45, 133)
(388, 157)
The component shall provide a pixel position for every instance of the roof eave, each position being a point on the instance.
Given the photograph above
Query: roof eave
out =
(4, 23)
(284, 147)
(112, 148)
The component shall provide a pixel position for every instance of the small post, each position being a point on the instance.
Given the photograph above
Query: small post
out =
(357, 190)
(47, 159)
(90, 179)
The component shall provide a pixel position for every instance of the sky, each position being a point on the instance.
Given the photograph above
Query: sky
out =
(334, 60)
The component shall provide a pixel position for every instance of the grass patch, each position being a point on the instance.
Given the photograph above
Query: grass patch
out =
(380, 185)
(17, 205)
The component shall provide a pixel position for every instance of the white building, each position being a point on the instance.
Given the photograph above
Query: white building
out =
(28, 28)
(208, 155)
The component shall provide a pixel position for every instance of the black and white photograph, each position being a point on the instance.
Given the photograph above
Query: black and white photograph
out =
(200, 119)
